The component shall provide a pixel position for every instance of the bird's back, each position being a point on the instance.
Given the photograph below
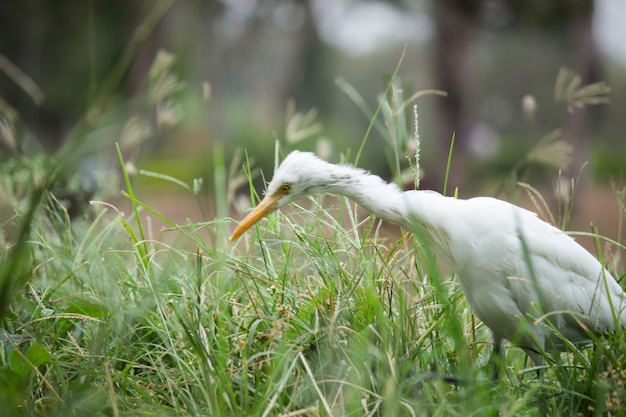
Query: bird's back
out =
(512, 265)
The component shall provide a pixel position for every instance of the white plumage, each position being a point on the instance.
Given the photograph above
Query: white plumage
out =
(510, 264)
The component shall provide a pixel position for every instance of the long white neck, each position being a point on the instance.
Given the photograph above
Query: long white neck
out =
(384, 200)
(418, 211)
(372, 193)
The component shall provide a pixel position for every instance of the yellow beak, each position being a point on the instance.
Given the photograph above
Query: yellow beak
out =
(265, 207)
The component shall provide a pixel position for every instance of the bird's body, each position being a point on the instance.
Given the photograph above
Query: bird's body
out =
(515, 269)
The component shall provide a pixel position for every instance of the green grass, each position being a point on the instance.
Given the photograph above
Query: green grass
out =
(304, 316)
(317, 311)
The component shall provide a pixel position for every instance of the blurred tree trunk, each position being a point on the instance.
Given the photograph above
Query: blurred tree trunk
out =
(567, 24)
(579, 125)
(455, 32)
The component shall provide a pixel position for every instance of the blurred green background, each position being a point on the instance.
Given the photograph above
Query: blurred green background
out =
(241, 69)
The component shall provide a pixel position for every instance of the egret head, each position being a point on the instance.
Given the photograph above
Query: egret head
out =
(300, 174)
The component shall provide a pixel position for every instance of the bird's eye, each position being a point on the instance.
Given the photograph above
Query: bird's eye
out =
(285, 188)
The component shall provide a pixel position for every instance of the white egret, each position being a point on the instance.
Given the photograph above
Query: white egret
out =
(510, 264)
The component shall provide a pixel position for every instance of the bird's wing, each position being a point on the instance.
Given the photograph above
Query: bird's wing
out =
(563, 279)
(512, 264)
